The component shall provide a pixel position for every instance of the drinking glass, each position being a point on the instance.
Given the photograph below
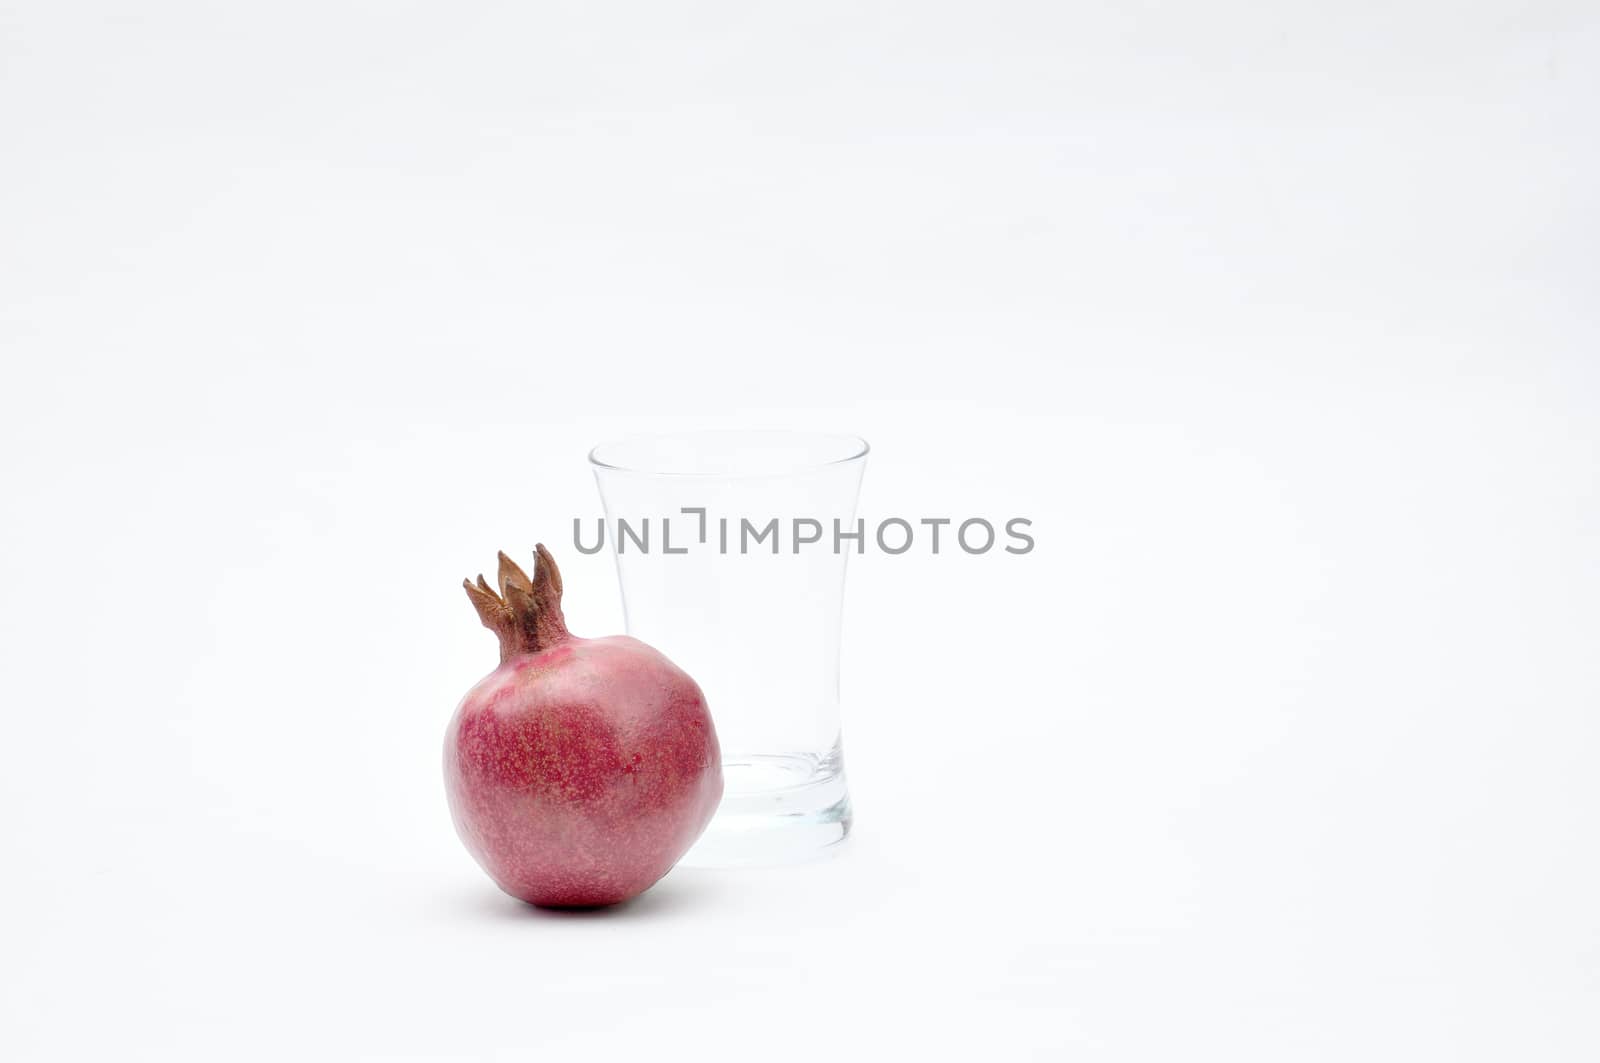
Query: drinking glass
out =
(731, 549)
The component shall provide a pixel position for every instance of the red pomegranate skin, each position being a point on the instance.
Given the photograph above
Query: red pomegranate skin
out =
(580, 770)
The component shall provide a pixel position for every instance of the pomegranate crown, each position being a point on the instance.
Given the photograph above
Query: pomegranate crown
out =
(526, 614)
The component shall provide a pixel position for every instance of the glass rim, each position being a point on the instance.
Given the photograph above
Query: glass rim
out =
(854, 448)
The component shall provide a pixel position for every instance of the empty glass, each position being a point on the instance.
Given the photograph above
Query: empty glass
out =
(731, 549)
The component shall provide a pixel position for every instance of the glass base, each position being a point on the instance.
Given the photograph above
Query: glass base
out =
(777, 808)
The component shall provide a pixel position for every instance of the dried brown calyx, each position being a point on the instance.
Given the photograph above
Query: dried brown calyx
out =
(526, 614)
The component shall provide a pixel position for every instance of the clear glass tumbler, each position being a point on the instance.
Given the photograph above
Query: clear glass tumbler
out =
(731, 549)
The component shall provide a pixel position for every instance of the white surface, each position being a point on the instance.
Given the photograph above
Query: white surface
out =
(1278, 320)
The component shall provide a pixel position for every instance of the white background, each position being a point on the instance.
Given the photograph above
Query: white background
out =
(1279, 320)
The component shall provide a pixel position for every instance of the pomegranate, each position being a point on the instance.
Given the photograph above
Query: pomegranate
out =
(580, 770)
